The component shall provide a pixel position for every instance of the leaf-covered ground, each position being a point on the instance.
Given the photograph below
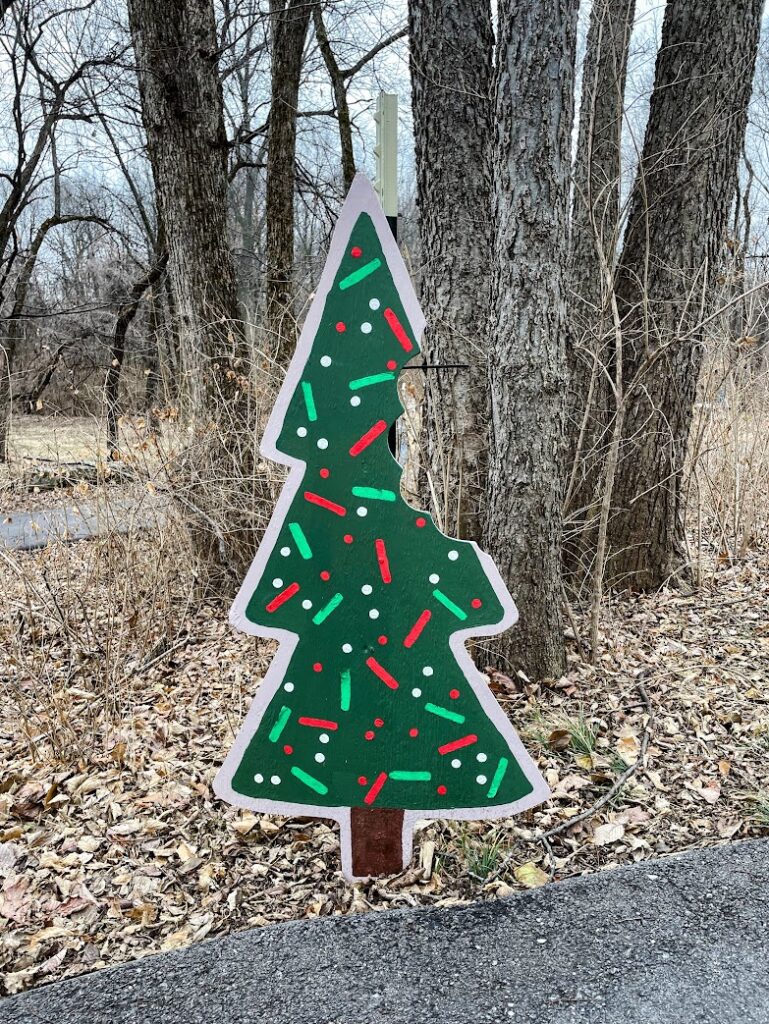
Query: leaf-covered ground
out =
(114, 720)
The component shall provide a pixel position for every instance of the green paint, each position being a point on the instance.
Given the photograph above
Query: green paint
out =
(327, 609)
(308, 780)
(315, 539)
(300, 540)
(366, 382)
(346, 689)
(374, 493)
(280, 725)
(499, 774)
(359, 274)
(447, 603)
(452, 716)
(309, 401)
(411, 776)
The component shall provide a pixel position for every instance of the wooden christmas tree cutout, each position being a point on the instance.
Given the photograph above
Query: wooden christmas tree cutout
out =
(372, 712)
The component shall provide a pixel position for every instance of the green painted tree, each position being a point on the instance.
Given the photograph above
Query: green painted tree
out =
(372, 707)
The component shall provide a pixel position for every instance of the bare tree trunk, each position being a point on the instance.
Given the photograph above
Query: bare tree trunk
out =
(339, 86)
(182, 110)
(594, 242)
(289, 21)
(451, 69)
(534, 115)
(672, 253)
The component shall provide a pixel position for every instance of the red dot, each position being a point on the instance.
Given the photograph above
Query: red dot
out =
(325, 473)
(325, 575)
(362, 780)
(421, 522)
(317, 667)
(391, 364)
(288, 749)
(379, 722)
(341, 327)
(442, 790)
(370, 734)
(356, 251)
(382, 640)
(476, 602)
(454, 694)
(413, 732)
(348, 538)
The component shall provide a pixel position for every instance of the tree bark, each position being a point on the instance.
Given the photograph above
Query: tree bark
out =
(451, 69)
(377, 841)
(594, 244)
(289, 21)
(534, 115)
(339, 86)
(672, 254)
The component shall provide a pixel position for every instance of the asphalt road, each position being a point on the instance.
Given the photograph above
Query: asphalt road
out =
(678, 941)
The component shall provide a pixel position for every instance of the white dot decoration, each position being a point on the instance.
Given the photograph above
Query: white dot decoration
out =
(427, 670)
(481, 780)
(285, 552)
(322, 443)
(362, 511)
(325, 360)
(366, 327)
(277, 582)
(289, 687)
(435, 578)
(301, 431)
(456, 763)
(320, 758)
(416, 692)
(258, 777)
(355, 400)
(347, 648)
(373, 303)
(453, 556)
(481, 758)
(307, 604)
(366, 589)
(275, 780)
(324, 737)
(373, 613)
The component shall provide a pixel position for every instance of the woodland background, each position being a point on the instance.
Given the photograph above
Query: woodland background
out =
(584, 205)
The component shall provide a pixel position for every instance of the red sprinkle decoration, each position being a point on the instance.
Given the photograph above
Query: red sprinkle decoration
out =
(421, 522)
(383, 640)
(288, 749)
(379, 722)
(348, 538)
(325, 575)
(341, 327)
(282, 597)
(476, 602)
(391, 364)
(362, 780)
(356, 252)
(373, 793)
(413, 732)
(441, 790)
(369, 734)
(317, 667)
(368, 438)
(454, 694)
(397, 328)
(325, 473)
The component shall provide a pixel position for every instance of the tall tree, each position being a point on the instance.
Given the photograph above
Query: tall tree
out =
(595, 229)
(182, 110)
(289, 20)
(672, 254)
(534, 115)
(451, 69)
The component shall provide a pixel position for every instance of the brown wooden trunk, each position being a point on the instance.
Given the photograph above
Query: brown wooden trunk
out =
(671, 258)
(451, 67)
(377, 841)
(534, 113)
